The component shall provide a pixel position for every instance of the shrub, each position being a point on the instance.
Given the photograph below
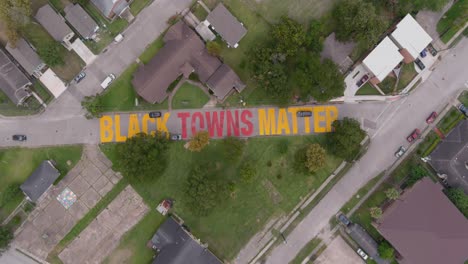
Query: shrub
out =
(386, 251)
(375, 212)
(199, 141)
(213, 48)
(6, 235)
(248, 172)
(315, 157)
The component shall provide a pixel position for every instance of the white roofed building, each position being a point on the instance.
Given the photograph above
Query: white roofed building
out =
(382, 60)
(411, 37)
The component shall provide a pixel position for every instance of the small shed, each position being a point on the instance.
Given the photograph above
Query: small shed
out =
(40, 181)
(227, 25)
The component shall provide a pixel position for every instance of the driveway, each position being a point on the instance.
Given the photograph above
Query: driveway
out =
(338, 251)
(82, 50)
(352, 78)
(441, 87)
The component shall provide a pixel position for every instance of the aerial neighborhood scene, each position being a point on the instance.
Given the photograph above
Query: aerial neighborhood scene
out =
(233, 131)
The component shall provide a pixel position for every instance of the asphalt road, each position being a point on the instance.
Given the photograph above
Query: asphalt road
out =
(449, 77)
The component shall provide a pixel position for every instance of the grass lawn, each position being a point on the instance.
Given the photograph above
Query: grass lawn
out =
(8, 108)
(367, 89)
(199, 11)
(276, 189)
(407, 74)
(464, 98)
(454, 19)
(152, 49)
(120, 96)
(359, 194)
(39, 88)
(450, 120)
(388, 84)
(189, 96)
(306, 250)
(16, 164)
(428, 145)
(73, 64)
(137, 5)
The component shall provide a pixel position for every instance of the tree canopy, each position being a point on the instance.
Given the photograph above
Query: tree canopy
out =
(345, 140)
(357, 20)
(93, 106)
(6, 235)
(143, 156)
(459, 198)
(288, 36)
(199, 141)
(315, 157)
(386, 251)
(392, 193)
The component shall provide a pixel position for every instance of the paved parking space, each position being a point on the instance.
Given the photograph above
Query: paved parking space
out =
(102, 236)
(338, 252)
(49, 222)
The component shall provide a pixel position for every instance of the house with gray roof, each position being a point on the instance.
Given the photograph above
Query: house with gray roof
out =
(81, 21)
(226, 25)
(112, 9)
(425, 227)
(25, 55)
(175, 245)
(54, 24)
(40, 181)
(13, 82)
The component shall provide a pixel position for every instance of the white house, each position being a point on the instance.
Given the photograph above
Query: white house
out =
(382, 60)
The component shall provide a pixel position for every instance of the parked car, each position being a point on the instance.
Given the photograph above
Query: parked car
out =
(463, 109)
(362, 80)
(155, 114)
(176, 137)
(303, 113)
(420, 64)
(432, 50)
(80, 77)
(431, 118)
(414, 135)
(343, 219)
(362, 254)
(423, 53)
(19, 137)
(107, 81)
(118, 38)
(400, 152)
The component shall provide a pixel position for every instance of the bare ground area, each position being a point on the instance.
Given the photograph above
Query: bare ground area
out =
(338, 252)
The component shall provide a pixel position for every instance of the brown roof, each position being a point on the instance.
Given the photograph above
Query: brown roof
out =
(227, 25)
(53, 22)
(425, 227)
(182, 52)
(223, 81)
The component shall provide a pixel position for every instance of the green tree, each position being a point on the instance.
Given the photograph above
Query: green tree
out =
(459, 199)
(386, 251)
(314, 38)
(288, 36)
(213, 48)
(204, 191)
(375, 212)
(357, 20)
(199, 141)
(93, 104)
(15, 15)
(345, 140)
(322, 81)
(51, 54)
(315, 157)
(392, 193)
(417, 172)
(248, 172)
(407, 6)
(143, 157)
(6, 235)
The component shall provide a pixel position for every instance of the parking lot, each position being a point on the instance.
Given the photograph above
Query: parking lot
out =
(338, 252)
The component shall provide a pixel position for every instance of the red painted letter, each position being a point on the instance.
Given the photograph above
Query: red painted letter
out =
(233, 124)
(245, 116)
(195, 116)
(215, 123)
(184, 116)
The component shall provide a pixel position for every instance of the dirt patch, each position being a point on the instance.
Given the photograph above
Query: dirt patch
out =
(120, 256)
(275, 196)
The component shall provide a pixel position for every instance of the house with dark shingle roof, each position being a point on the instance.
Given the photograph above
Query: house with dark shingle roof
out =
(26, 57)
(81, 21)
(175, 245)
(13, 82)
(425, 227)
(183, 53)
(40, 181)
(226, 25)
(112, 8)
(54, 24)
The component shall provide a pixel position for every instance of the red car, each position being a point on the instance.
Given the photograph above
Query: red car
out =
(431, 118)
(415, 135)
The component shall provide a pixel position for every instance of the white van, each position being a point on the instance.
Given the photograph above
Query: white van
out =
(118, 38)
(107, 81)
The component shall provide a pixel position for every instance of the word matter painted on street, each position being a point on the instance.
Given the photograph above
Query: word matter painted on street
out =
(221, 123)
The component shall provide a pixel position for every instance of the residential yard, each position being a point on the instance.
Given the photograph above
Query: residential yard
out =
(276, 189)
(367, 89)
(120, 96)
(8, 108)
(189, 96)
(407, 74)
(16, 164)
(199, 11)
(464, 98)
(39, 88)
(450, 120)
(428, 145)
(152, 49)
(359, 194)
(453, 20)
(388, 84)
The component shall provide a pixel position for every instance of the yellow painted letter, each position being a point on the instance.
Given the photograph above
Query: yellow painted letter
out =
(106, 131)
(267, 121)
(162, 121)
(133, 125)
(283, 122)
(144, 123)
(332, 115)
(118, 137)
(318, 118)
(293, 112)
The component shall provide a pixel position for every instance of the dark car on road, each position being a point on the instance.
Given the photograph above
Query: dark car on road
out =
(362, 80)
(463, 109)
(343, 219)
(80, 77)
(414, 135)
(155, 114)
(420, 64)
(176, 137)
(19, 137)
(303, 113)
(431, 118)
